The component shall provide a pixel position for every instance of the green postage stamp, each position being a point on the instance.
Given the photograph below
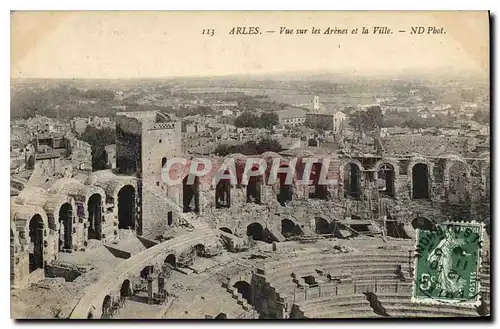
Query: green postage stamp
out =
(447, 264)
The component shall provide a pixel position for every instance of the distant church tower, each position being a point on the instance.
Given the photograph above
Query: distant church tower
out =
(316, 103)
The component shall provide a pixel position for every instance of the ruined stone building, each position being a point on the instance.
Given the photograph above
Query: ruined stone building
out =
(117, 234)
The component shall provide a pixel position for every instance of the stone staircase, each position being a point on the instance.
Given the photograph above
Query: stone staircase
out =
(340, 306)
(237, 296)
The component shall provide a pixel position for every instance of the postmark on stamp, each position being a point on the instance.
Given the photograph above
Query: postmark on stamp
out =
(447, 264)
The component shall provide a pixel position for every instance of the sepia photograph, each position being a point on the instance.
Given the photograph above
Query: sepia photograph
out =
(250, 165)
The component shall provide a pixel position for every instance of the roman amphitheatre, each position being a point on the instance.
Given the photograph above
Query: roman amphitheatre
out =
(120, 244)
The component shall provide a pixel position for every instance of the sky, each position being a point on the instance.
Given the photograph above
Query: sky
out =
(93, 44)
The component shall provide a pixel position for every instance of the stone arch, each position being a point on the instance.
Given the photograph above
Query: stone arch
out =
(171, 260)
(225, 229)
(351, 175)
(79, 192)
(36, 233)
(386, 178)
(126, 207)
(393, 162)
(106, 306)
(146, 271)
(419, 173)
(223, 194)
(245, 289)
(254, 187)
(65, 220)
(199, 249)
(317, 190)
(95, 216)
(190, 194)
(256, 231)
(126, 289)
(422, 223)
(289, 228)
(49, 203)
(21, 217)
(321, 225)
(285, 193)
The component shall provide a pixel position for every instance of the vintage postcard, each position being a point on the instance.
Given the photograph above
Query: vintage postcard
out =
(250, 165)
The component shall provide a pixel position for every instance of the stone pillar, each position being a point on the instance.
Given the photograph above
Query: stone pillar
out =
(150, 290)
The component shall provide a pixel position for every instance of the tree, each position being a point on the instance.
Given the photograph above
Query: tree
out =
(248, 119)
(200, 110)
(250, 147)
(267, 120)
(368, 120)
(374, 117)
(98, 139)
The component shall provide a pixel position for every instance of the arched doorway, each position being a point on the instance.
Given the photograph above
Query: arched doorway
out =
(245, 290)
(321, 226)
(289, 228)
(420, 180)
(106, 307)
(163, 162)
(385, 176)
(256, 231)
(146, 271)
(36, 243)
(171, 260)
(352, 181)
(286, 190)
(126, 290)
(65, 227)
(190, 194)
(422, 223)
(254, 187)
(199, 250)
(225, 229)
(126, 207)
(223, 194)
(317, 190)
(94, 207)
